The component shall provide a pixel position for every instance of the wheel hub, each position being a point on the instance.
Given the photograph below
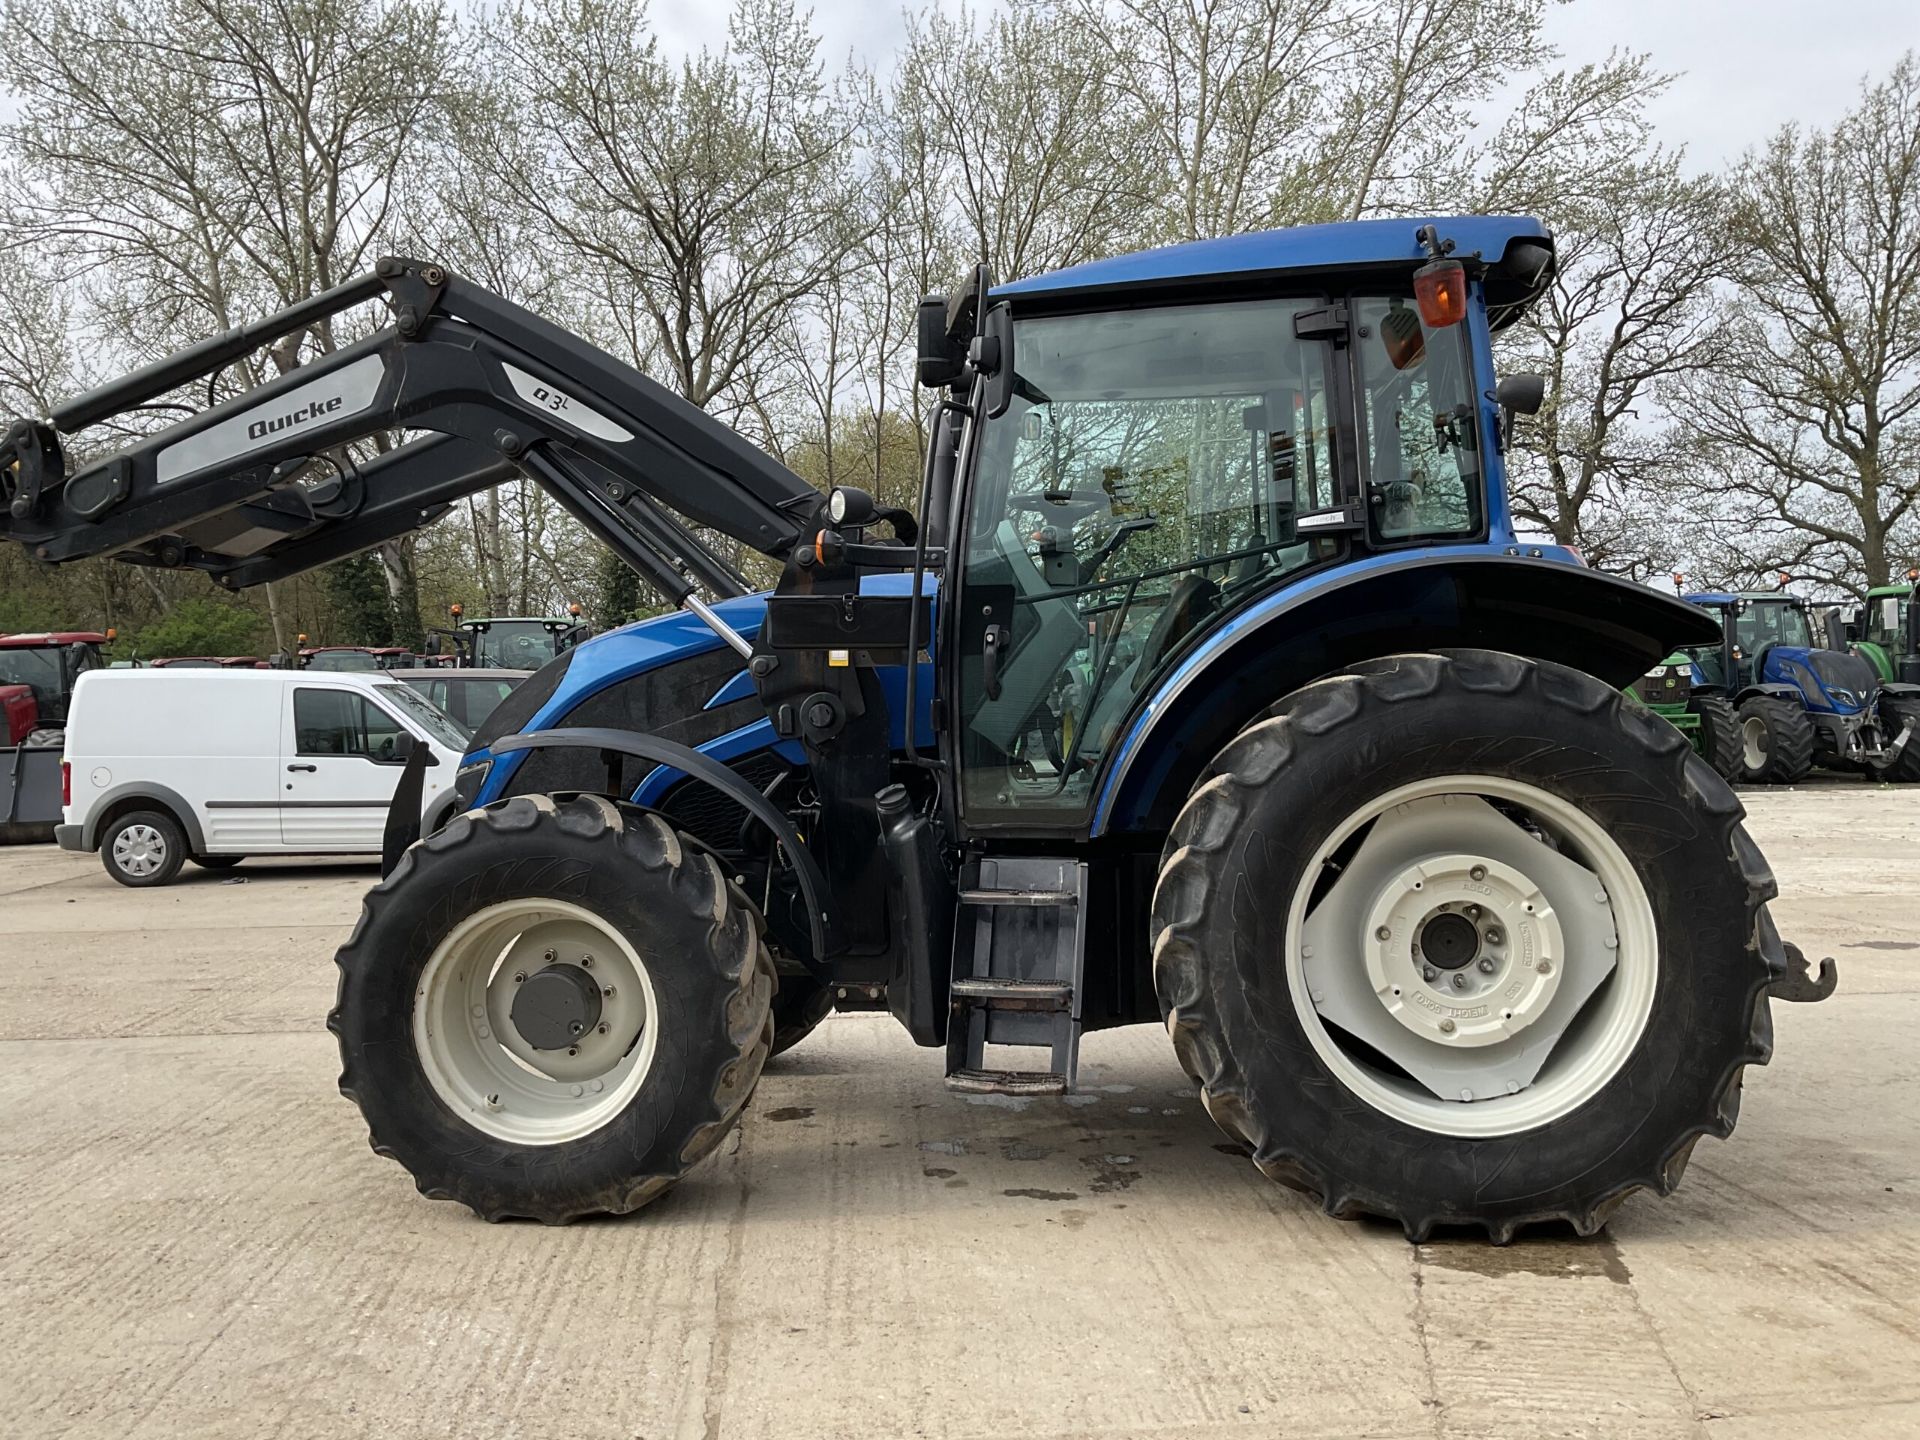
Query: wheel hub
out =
(1470, 950)
(556, 1006)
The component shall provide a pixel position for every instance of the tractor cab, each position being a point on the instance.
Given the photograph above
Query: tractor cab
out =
(508, 642)
(37, 676)
(1886, 631)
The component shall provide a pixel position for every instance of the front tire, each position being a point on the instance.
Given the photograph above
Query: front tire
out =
(649, 1034)
(1491, 809)
(1899, 713)
(1719, 735)
(1776, 741)
(143, 848)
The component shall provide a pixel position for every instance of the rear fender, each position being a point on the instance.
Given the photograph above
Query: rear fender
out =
(1544, 609)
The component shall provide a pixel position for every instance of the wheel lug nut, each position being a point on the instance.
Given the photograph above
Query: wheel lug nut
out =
(1486, 965)
(1427, 972)
(1479, 872)
(1494, 937)
(1459, 981)
(1446, 1027)
(1473, 912)
(548, 956)
(608, 992)
(603, 1027)
(587, 961)
(573, 1050)
(519, 977)
(1545, 967)
(1383, 933)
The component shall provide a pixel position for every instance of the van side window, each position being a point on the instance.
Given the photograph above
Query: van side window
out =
(339, 722)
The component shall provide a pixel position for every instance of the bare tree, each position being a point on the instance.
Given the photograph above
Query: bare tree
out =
(1810, 417)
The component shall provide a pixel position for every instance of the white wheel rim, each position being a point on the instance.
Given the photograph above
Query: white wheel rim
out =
(139, 850)
(475, 1057)
(1753, 741)
(1559, 976)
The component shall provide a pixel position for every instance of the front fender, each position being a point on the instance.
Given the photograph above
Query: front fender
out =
(1385, 605)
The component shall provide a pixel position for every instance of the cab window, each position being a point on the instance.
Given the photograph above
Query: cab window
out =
(1419, 437)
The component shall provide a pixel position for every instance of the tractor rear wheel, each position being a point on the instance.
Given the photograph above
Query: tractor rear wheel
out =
(1719, 735)
(1776, 742)
(1900, 714)
(1465, 939)
(552, 1008)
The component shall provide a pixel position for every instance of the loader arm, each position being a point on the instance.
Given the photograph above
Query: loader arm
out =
(267, 484)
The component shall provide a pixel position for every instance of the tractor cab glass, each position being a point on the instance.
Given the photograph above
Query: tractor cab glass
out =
(1149, 478)
(1887, 621)
(36, 667)
(515, 644)
(358, 660)
(1764, 623)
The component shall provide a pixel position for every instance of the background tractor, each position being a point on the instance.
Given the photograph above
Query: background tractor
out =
(1886, 631)
(37, 675)
(1207, 685)
(1801, 705)
(1676, 690)
(507, 642)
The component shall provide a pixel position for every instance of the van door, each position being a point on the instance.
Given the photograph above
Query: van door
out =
(342, 757)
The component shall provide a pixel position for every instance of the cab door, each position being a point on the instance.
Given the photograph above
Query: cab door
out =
(1157, 470)
(341, 757)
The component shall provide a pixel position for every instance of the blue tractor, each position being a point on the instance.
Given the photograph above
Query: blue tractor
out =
(1800, 705)
(1207, 685)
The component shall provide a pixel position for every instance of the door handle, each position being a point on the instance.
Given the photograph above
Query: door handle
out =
(991, 644)
(310, 769)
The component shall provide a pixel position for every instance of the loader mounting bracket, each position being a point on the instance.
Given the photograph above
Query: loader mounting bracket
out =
(1800, 985)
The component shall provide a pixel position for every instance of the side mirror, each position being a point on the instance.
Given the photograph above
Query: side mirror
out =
(1521, 394)
(991, 356)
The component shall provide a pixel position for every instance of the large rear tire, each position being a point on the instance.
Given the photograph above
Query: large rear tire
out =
(1719, 735)
(1776, 741)
(596, 1091)
(1385, 902)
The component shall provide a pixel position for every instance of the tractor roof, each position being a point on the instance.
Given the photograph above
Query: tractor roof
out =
(1344, 246)
(39, 639)
(360, 649)
(1752, 597)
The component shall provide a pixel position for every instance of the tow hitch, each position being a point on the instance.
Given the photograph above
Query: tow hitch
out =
(1800, 985)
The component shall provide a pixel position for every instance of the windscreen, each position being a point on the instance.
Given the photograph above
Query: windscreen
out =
(422, 711)
(38, 669)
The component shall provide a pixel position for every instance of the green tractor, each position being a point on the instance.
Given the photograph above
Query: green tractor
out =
(1677, 691)
(1886, 631)
(508, 642)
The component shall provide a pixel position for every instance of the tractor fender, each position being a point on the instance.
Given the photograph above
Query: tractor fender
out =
(1385, 605)
(704, 768)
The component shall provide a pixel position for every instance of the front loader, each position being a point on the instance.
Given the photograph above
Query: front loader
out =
(1206, 685)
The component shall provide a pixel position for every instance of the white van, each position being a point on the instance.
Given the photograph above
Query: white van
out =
(165, 766)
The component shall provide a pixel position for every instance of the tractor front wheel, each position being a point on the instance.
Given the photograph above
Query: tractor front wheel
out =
(1899, 716)
(1776, 742)
(1465, 939)
(552, 1008)
(1719, 735)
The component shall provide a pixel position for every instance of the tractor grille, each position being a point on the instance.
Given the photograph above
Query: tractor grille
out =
(708, 815)
(1665, 685)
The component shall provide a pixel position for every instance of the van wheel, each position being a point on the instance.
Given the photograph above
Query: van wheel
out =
(144, 847)
(217, 862)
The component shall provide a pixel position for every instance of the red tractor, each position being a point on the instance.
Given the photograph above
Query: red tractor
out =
(37, 676)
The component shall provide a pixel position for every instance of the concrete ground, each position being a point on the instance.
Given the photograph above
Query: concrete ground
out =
(196, 1241)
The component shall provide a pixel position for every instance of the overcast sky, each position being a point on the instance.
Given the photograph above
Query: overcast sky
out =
(1745, 68)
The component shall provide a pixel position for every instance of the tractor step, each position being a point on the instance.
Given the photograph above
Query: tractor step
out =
(1015, 994)
(1019, 958)
(1048, 898)
(1007, 1082)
